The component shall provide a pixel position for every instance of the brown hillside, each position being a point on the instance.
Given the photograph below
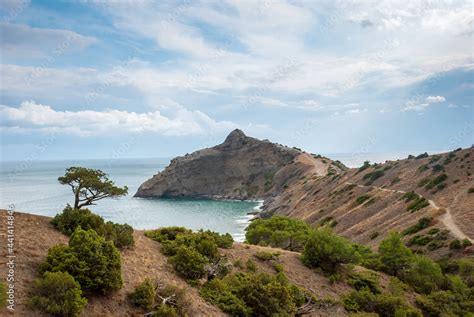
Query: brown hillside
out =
(34, 235)
(317, 198)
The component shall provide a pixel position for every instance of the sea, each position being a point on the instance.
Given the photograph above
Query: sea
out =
(33, 187)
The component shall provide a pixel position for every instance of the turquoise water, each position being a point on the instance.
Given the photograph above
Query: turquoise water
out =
(33, 187)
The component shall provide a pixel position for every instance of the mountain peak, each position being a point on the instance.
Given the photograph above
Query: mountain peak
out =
(235, 138)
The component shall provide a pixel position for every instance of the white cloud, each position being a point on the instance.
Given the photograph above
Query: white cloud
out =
(31, 116)
(421, 106)
(23, 40)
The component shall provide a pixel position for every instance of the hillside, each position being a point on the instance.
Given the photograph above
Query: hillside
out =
(365, 204)
(34, 235)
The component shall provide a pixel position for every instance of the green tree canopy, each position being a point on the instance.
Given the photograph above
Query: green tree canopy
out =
(90, 185)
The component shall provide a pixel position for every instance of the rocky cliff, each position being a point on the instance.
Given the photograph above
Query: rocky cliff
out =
(240, 168)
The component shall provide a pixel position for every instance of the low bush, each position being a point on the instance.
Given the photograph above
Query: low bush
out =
(470, 190)
(395, 256)
(278, 231)
(267, 256)
(423, 168)
(93, 262)
(374, 235)
(143, 295)
(422, 223)
(189, 263)
(250, 265)
(326, 250)
(70, 219)
(418, 204)
(373, 176)
(446, 303)
(365, 279)
(252, 294)
(437, 168)
(365, 166)
(361, 199)
(58, 294)
(455, 245)
(383, 305)
(436, 181)
(424, 275)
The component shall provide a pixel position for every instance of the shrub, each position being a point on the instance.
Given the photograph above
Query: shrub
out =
(166, 233)
(395, 256)
(251, 265)
(326, 250)
(445, 303)
(437, 168)
(374, 235)
(455, 245)
(278, 231)
(58, 294)
(189, 263)
(437, 180)
(470, 190)
(466, 243)
(373, 176)
(423, 168)
(418, 204)
(361, 199)
(143, 295)
(423, 223)
(365, 166)
(165, 311)
(70, 219)
(424, 275)
(267, 256)
(251, 294)
(365, 279)
(382, 304)
(92, 261)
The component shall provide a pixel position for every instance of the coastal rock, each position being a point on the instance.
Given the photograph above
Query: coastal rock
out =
(241, 167)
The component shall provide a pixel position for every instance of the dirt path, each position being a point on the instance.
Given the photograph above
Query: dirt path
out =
(319, 168)
(446, 218)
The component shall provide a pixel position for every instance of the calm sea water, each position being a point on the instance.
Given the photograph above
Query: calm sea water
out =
(33, 188)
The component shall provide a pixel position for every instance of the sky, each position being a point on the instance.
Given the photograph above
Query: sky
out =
(126, 79)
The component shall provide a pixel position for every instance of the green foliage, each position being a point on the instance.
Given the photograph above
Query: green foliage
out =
(423, 182)
(417, 202)
(92, 261)
(437, 180)
(166, 233)
(470, 190)
(165, 311)
(58, 294)
(424, 275)
(143, 295)
(365, 166)
(189, 263)
(278, 231)
(383, 304)
(90, 185)
(466, 243)
(326, 250)
(374, 235)
(70, 219)
(251, 265)
(3, 294)
(373, 176)
(252, 294)
(267, 256)
(420, 225)
(437, 168)
(423, 168)
(395, 256)
(361, 199)
(455, 245)
(365, 279)
(446, 303)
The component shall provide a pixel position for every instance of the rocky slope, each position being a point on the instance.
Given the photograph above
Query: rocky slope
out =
(240, 168)
(313, 188)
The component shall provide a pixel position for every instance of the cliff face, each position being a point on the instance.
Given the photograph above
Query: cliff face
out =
(240, 168)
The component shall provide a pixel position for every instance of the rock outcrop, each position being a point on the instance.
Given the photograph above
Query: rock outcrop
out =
(240, 168)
